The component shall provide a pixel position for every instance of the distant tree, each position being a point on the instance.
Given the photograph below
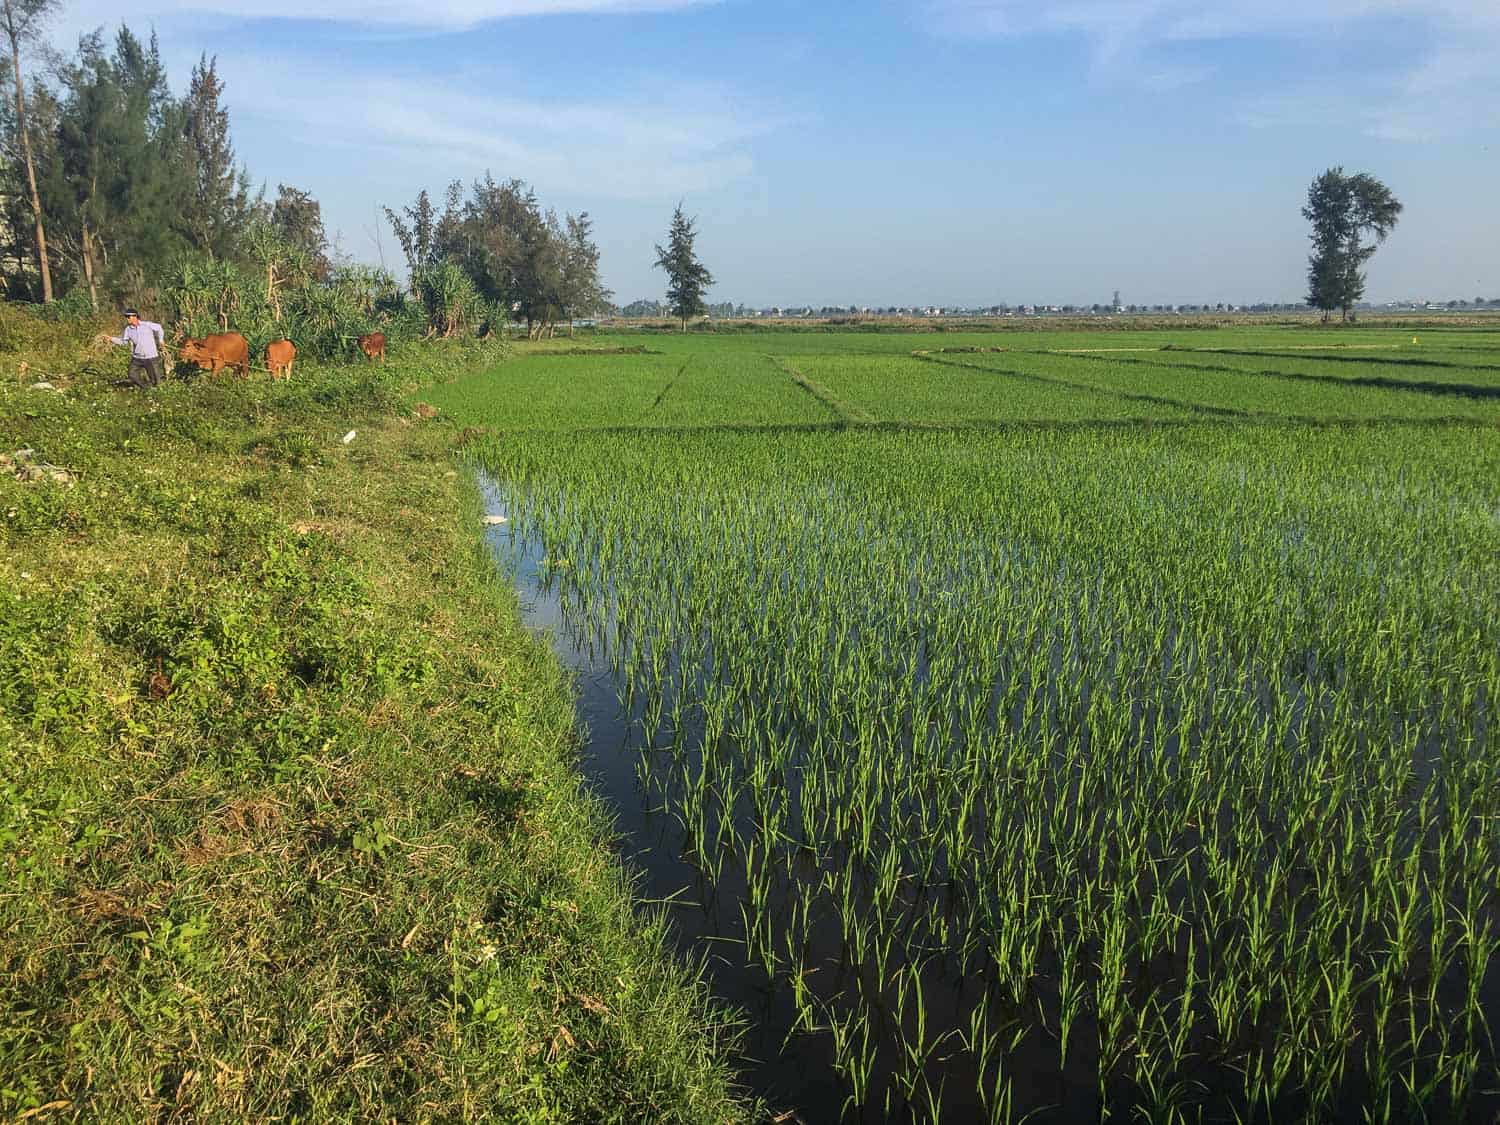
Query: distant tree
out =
(110, 185)
(516, 259)
(218, 204)
(688, 279)
(1343, 211)
(498, 228)
(583, 293)
(536, 268)
(22, 22)
(415, 229)
(432, 243)
(298, 218)
(643, 308)
(282, 262)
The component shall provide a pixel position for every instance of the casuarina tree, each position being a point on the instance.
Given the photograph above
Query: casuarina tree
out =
(1345, 211)
(583, 293)
(217, 206)
(688, 279)
(22, 20)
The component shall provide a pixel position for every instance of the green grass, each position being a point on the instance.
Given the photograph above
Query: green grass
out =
(628, 391)
(1041, 335)
(544, 391)
(736, 390)
(975, 378)
(292, 826)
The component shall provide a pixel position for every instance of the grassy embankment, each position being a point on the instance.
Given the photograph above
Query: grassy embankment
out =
(289, 821)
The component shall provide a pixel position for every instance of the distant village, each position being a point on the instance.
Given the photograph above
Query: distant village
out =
(644, 309)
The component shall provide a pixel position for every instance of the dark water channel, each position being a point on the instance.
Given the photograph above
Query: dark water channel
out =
(792, 1070)
(706, 918)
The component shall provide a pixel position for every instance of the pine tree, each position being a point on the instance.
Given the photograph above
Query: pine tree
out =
(414, 229)
(583, 294)
(219, 203)
(688, 279)
(298, 218)
(83, 186)
(150, 190)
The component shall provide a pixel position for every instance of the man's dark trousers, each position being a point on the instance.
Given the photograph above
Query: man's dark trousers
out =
(145, 372)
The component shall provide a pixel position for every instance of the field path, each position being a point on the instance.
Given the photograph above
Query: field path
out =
(1199, 407)
(1386, 382)
(845, 411)
(669, 384)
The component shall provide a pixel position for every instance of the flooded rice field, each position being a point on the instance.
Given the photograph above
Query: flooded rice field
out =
(994, 786)
(1021, 734)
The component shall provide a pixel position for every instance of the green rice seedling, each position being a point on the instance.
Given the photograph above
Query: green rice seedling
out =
(1182, 735)
(1233, 391)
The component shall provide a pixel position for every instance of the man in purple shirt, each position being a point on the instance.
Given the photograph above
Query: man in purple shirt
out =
(145, 339)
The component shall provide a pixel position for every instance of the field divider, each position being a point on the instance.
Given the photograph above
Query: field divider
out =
(990, 425)
(963, 349)
(847, 411)
(1404, 361)
(1464, 390)
(1160, 400)
(670, 383)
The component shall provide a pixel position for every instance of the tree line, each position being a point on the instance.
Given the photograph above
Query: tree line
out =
(493, 254)
(114, 191)
(110, 178)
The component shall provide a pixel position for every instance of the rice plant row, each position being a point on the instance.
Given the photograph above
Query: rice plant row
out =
(1246, 394)
(1102, 770)
(1448, 374)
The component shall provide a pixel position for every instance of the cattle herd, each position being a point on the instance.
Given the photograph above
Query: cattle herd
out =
(230, 349)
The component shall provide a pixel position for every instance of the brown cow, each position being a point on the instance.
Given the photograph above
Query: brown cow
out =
(279, 357)
(223, 349)
(373, 345)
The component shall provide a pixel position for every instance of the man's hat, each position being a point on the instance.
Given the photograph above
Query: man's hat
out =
(130, 313)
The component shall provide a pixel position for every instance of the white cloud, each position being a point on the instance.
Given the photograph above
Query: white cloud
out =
(445, 15)
(642, 147)
(332, 122)
(1452, 85)
(1113, 24)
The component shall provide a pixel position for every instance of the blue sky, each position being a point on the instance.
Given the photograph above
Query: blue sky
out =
(890, 151)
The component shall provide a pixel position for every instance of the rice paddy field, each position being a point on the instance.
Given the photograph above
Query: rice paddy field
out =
(1072, 725)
